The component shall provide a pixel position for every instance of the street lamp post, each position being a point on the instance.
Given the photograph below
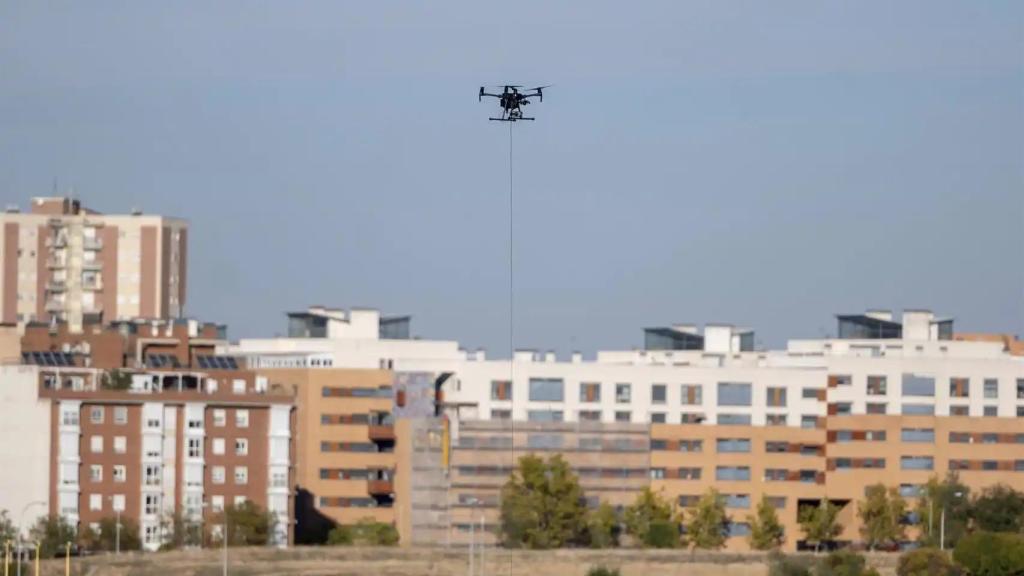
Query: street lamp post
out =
(21, 523)
(224, 535)
(117, 526)
(942, 523)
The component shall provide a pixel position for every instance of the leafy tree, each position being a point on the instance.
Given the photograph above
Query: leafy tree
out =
(340, 535)
(542, 505)
(926, 562)
(948, 494)
(7, 529)
(179, 533)
(116, 380)
(52, 533)
(781, 565)
(881, 515)
(369, 532)
(819, 523)
(766, 532)
(248, 524)
(991, 554)
(999, 508)
(844, 563)
(106, 537)
(709, 525)
(603, 526)
(652, 520)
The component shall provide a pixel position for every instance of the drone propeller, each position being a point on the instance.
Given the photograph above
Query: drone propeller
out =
(540, 91)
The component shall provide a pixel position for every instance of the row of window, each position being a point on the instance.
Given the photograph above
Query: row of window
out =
(354, 447)
(97, 414)
(120, 444)
(339, 392)
(218, 475)
(355, 474)
(349, 502)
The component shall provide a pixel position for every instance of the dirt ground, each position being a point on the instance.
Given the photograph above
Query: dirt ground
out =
(345, 561)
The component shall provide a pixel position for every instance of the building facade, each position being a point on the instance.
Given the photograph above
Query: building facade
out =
(62, 261)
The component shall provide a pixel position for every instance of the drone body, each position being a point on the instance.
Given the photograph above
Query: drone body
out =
(512, 101)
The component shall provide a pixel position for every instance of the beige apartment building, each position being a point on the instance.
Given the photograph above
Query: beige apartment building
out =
(62, 260)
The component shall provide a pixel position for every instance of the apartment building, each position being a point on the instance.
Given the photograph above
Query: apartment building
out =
(172, 443)
(887, 400)
(63, 261)
(134, 344)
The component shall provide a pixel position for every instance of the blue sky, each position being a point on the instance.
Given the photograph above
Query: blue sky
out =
(766, 164)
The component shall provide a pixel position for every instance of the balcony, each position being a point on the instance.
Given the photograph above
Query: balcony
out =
(93, 265)
(380, 487)
(381, 432)
(54, 306)
(94, 286)
(92, 244)
(55, 263)
(57, 242)
(55, 286)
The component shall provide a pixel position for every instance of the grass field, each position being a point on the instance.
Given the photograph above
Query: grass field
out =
(345, 561)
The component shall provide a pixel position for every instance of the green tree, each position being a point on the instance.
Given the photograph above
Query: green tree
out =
(116, 380)
(844, 563)
(106, 537)
(542, 505)
(782, 565)
(708, 526)
(766, 532)
(948, 494)
(603, 526)
(179, 533)
(7, 530)
(52, 533)
(603, 571)
(369, 532)
(819, 523)
(652, 520)
(999, 508)
(991, 554)
(926, 562)
(881, 514)
(340, 535)
(248, 524)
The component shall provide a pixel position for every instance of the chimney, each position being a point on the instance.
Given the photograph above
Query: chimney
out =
(577, 357)
(549, 357)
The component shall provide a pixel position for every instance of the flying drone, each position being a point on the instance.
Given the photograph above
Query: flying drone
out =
(512, 101)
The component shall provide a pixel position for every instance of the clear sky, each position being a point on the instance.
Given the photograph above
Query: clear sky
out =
(767, 164)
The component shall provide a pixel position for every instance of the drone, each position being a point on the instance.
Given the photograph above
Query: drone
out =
(512, 101)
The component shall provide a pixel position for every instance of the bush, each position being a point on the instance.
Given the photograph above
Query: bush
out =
(340, 536)
(926, 562)
(602, 571)
(781, 565)
(366, 532)
(991, 554)
(662, 534)
(844, 563)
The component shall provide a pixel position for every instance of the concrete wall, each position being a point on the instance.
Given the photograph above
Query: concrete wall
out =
(25, 424)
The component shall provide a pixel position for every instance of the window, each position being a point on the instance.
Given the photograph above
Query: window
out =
(958, 411)
(220, 418)
(991, 411)
(120, 473)
(811, 393)
(657, 473)
(734, 394)
(775, 419)
(691, 445)
(151, 504)
(96, 473)
(775, 474)
(153, 423)
(590, 416)
(547, 390)
(544, 441)
(241, 447)
(959, 438)
(658, 394)
(121, 415)
(501, 390)
(734, 419)
(843, 408)
(910, 490)
(808, 421)
(501, 414)
(96, 414)
(737, 500)
(776, 447)
(737, 529)
(843, 436)
(118, 502)
(809, 476)
(959, 388)
(689, 473)
(242, 418)
(544, 416)
(688, 500)
(918, 435)
(590, 392)
(919, 409)
(623, 393)
(657, 417)
(151, 473)
(195, 424)
(732, 473)
(874, 435)
(623, 416)
(989, 465)
(914, 385)
(877, 386)
(777, 502)
(96, 444)
(733, 445)
(989, 438)
(69, 418)
(195, 448)
(917, 463)
(218, 446)
(1020, 388)
(217, 474)
(776, 396)
(238, 386)
(875, 408)
(691, 394)
(241, 475)
(95, 502)
(120, 444)
(691, 418)
(991, 388)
